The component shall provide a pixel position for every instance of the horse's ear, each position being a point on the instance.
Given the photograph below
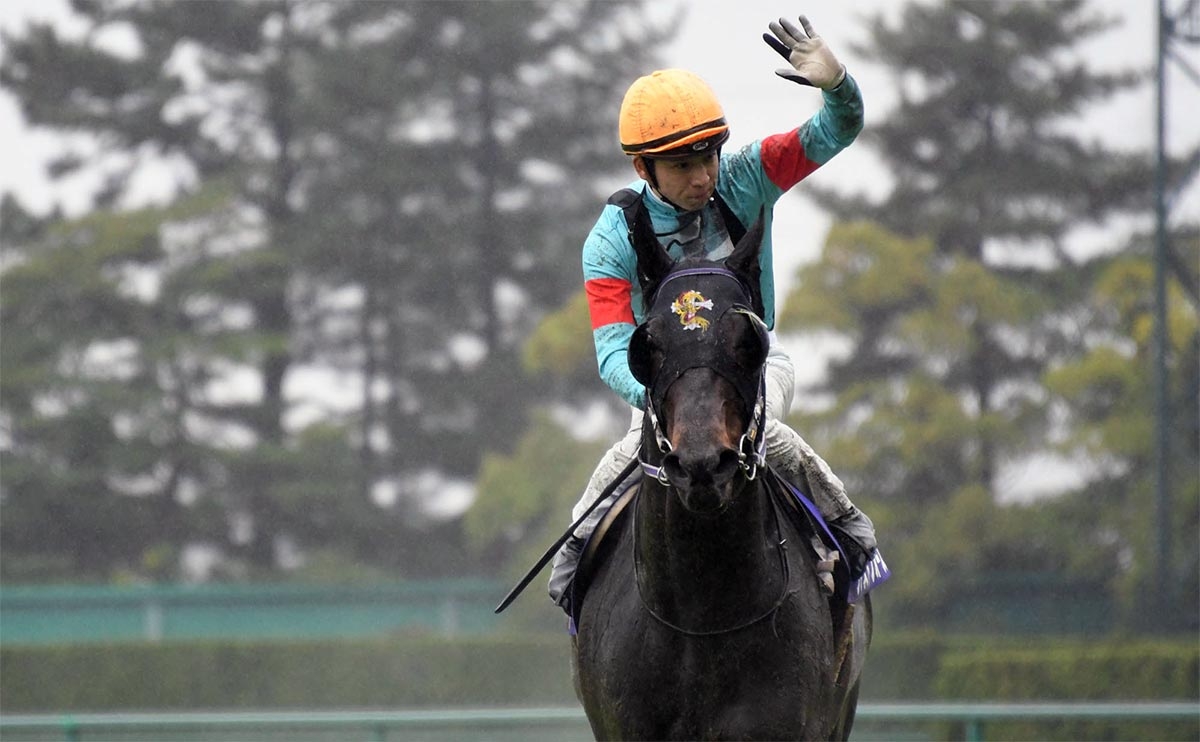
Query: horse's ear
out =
(653, 262)
(645, 355)
(744, 259)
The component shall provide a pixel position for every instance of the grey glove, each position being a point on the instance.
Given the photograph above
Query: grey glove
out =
(812, 62)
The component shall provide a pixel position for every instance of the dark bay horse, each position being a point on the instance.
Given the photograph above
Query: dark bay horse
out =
(705, 618)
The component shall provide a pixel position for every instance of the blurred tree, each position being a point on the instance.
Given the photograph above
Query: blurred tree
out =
(1107, 395)
(208, 87)
(96, 460)
(396, 182)
(530, 493)
(463, 178)
(974, 284)
(561, 355)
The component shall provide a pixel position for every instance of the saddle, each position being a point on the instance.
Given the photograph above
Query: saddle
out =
(589, 559)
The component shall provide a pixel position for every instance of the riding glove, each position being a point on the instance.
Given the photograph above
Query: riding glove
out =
(812, 61)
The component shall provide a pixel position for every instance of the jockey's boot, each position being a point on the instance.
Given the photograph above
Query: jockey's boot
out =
(566, 561)
(562, 571)
(798, 463)
(856, 534)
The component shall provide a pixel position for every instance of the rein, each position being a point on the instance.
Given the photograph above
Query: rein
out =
(785, 588)
(751, 459)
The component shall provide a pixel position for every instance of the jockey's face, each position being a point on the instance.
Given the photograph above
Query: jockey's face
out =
(687, 182)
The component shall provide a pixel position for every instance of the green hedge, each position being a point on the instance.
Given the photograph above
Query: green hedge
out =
(1108, 670)
(392, 673)
(1096, 670)
(906, 665)
(417, 671)
(902, 667)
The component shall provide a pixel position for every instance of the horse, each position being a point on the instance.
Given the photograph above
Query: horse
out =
(700, 615)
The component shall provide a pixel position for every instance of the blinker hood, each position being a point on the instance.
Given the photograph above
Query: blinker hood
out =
(688, 318)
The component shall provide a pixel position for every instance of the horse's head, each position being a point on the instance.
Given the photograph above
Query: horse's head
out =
(700, 353)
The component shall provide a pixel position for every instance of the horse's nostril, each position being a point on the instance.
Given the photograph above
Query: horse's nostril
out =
(727, 465)
(674, 468)
(697, 469)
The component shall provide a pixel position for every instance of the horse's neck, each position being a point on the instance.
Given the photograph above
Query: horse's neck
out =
(688, 558)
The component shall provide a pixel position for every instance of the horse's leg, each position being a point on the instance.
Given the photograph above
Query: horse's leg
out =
(610, 644)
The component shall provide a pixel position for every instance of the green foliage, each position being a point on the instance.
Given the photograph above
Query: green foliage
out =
(1111, 402)
(94, 454)
(1110, 671)
(525, 498)
(524, 504)
(864, 271)
(561, 344)
(1108, 390)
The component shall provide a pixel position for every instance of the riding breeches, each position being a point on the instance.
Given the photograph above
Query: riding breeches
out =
(786, 452)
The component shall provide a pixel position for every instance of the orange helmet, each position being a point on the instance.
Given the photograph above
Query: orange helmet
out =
(671, 113)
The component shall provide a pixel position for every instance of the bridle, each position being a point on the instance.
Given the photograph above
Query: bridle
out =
(752, 443)
(751, 446)
(751, 460)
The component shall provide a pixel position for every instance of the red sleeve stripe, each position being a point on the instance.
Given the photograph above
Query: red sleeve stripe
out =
(784, 159)
(609, 301)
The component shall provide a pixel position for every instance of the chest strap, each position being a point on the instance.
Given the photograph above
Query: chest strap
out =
(633, 205)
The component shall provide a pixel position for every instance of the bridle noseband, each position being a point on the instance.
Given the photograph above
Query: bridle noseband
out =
(751, 446)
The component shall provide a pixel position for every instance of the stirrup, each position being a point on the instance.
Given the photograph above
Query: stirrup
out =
(827, 559)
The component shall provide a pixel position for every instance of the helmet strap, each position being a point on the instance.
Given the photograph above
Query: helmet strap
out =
(651, 173)
(652, 178)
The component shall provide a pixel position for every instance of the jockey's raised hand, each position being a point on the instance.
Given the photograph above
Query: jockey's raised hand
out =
(812, 61)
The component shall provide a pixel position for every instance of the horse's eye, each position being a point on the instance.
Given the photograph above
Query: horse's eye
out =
(748, 339)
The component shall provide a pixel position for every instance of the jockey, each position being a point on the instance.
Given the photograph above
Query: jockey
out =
(700, 200)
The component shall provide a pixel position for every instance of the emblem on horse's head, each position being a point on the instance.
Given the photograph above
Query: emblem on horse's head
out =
(688, 307)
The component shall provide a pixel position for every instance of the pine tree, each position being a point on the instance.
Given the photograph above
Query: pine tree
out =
(467, 177)
(971, 286)
(395, 182)
(97, 462)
